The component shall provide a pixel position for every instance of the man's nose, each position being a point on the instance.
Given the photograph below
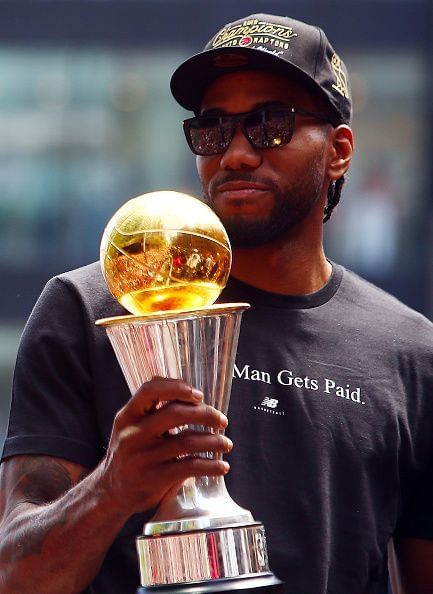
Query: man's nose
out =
(240, 154)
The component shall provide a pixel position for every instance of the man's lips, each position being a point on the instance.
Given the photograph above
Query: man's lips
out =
(241, 190)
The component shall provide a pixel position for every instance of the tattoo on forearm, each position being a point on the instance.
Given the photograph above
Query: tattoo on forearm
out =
(42, 482)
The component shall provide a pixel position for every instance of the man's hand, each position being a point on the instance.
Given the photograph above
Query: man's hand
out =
(145, 458)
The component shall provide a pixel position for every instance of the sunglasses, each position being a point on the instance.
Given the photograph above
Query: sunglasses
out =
(267, 127)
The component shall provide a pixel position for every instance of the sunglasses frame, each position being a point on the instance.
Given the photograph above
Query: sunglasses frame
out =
(238, 119)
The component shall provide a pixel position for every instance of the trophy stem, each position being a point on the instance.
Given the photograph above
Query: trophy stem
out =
(201, 503)
(199, 347)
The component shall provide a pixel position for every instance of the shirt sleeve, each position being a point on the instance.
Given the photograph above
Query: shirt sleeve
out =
(52, 412)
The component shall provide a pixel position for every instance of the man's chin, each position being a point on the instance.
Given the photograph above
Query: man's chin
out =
(248, 236)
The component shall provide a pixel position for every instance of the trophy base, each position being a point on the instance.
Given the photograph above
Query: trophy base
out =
(234, 552)
(267, 583)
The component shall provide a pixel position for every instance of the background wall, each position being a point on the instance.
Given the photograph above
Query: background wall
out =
(87, 121)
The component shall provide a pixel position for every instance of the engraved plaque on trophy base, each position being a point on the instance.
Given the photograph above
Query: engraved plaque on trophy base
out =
(213, 560)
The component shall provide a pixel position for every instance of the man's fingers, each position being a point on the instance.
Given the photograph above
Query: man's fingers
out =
(177, 414)
(180, 470)
(154, 433)
(164, 434)
(190, 443)
(157, 390)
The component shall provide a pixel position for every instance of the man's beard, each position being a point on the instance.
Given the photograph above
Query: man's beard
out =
(291, 205)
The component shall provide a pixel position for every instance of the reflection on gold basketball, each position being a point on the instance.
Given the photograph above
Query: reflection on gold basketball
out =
(165, 251)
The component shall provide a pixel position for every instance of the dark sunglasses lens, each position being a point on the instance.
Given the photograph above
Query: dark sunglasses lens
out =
(209, 136)
(269, 128)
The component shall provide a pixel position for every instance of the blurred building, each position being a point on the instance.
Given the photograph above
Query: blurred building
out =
(87, 121)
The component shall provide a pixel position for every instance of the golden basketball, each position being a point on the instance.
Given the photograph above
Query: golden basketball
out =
(165, 251)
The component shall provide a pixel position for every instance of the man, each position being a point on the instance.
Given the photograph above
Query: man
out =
(331, 408)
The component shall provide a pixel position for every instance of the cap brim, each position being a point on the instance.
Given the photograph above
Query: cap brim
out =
(191, 78)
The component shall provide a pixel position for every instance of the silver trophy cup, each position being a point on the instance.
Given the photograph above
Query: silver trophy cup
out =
(199, 539)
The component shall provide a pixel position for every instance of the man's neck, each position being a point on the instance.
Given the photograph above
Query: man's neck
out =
(286, 269)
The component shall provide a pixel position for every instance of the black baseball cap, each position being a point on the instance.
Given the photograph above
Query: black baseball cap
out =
(276, 44)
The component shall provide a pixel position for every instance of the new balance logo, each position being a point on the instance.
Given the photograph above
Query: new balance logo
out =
(269, 405)
(271, 402)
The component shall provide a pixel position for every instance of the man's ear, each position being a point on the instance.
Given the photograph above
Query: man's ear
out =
(342, 145)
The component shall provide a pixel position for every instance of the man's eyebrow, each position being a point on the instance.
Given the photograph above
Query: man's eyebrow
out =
(217, 111)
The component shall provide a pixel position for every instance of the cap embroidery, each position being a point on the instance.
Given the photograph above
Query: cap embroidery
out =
(254, 32)
(340, 77)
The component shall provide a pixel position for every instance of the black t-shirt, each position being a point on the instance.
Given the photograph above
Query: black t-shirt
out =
(331, 416)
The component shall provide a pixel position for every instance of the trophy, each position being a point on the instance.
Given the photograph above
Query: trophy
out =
(166, 257)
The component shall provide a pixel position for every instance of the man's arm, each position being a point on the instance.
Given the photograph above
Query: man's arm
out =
(411, 566)
(50, 511)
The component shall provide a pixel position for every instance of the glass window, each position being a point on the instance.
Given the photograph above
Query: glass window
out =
(375, 229)
(82, 131)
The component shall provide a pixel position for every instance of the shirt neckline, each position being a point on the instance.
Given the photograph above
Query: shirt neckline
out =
(240, 290)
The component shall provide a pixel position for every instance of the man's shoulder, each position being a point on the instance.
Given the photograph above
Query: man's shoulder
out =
(89, 276)
(87, 284)
(380, 307)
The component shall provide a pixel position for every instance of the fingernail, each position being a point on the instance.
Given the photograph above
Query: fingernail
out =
(229, 444)
(226, 466)
(197, 395)
(223, 420)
